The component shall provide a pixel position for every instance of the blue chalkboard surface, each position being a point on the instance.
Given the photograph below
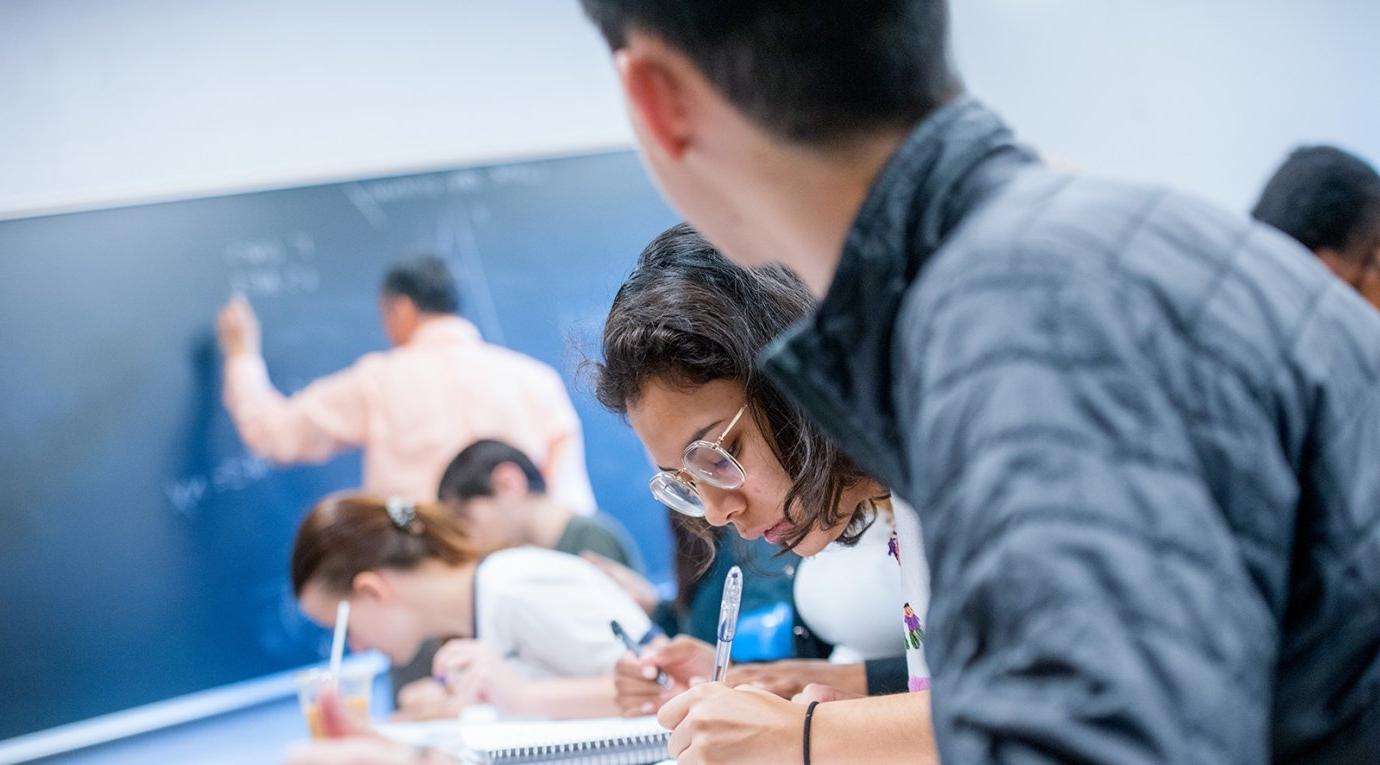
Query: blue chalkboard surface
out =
(143, 551)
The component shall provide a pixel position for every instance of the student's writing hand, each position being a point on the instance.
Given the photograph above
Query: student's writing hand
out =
(823, 693)
(636, 585)
(712, 723)
(684, 659)
(788, 678)
(426, 699)
(237, 328)
(474, 674)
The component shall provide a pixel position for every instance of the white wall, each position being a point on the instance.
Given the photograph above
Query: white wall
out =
(1206, 95)
(103, 102)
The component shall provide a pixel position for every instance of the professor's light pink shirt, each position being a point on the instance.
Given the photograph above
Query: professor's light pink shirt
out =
(413, 408)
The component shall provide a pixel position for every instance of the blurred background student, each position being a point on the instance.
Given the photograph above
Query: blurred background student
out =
(411, 408)
(499, 497)
(1329, 200)
(531, 626)
(496, 490)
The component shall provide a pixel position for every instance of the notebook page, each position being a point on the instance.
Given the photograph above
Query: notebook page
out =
(515, 734)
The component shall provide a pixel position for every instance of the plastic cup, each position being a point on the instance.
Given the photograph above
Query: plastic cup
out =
(353, 689)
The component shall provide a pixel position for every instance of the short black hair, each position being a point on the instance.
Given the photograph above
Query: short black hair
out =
(426, 281)
(1324, 197)
(470, 474)
(812, 71)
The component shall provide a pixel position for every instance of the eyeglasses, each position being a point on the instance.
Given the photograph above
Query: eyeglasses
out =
(703, 462)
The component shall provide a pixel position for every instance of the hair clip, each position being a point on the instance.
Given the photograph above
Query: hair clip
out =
(403, 513)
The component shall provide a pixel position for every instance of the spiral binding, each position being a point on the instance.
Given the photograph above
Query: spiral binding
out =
(622, 750)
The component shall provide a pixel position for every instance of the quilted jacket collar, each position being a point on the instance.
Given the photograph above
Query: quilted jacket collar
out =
(836, 364)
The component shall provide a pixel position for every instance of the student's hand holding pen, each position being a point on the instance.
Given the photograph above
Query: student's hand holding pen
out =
(474, 674)
(713, 724)
(685, 661)
(425, 699)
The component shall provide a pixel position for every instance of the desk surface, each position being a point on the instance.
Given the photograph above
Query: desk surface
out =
(259, 734)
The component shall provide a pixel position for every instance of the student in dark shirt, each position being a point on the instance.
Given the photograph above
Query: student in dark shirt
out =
(499, 493)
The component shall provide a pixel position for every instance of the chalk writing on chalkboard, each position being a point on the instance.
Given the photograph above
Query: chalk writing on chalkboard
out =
(273, 265)
(188, 493)
(460, 182)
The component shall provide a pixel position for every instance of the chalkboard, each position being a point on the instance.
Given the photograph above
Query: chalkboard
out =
(143, 551)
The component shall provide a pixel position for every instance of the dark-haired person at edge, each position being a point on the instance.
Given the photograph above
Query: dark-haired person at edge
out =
(1329, 200)
(1139, 431)
(411, 408)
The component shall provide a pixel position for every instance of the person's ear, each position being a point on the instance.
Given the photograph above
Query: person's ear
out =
(1347, 269)
(370, 585)
(508, 480)
(406, 310)
(654, 83)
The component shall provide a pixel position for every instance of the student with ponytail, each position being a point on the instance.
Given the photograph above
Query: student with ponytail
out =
(528, 627)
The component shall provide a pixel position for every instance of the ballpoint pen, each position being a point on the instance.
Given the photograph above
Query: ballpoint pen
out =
(622, 634)
(728, 621)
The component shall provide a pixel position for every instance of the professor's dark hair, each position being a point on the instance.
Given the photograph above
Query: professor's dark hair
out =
(426, 281)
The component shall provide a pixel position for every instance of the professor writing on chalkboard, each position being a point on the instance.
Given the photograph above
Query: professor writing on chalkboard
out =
(411, 408)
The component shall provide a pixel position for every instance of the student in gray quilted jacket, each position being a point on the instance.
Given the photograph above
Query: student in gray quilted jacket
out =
(1142, 434)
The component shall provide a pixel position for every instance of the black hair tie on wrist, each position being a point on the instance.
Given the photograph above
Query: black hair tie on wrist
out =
(809, 716)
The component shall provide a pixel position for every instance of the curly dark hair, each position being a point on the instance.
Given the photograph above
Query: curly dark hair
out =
(688, 316)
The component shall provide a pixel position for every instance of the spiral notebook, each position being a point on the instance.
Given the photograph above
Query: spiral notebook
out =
(608, 741)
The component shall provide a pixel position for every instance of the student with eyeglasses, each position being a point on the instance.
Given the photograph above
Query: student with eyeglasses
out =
(678, 351)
